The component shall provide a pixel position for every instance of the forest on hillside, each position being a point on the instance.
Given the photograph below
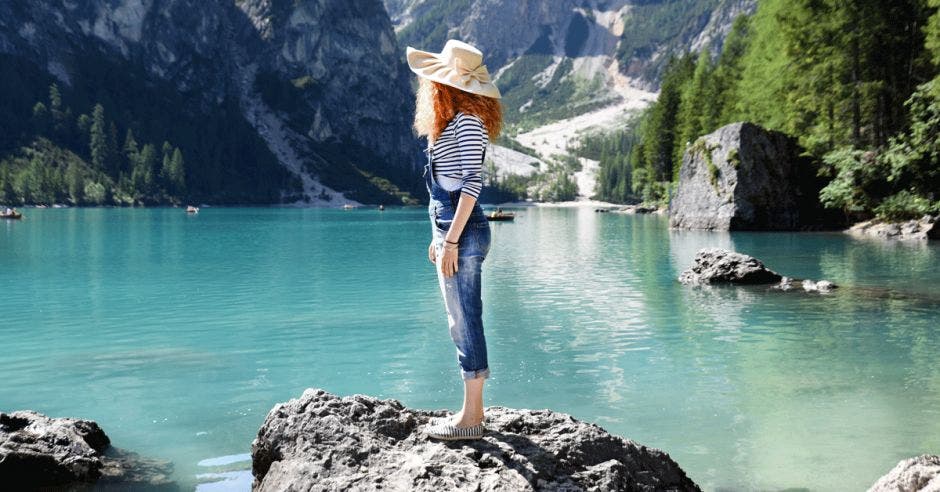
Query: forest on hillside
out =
(114, 136)
(856, 83)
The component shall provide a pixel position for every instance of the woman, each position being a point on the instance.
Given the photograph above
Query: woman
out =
(459, 111)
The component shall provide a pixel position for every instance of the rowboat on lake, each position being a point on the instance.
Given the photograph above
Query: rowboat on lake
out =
(192, 210)
(500, 215)
(11, 216)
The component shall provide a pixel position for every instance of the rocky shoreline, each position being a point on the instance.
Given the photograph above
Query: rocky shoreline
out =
(37, 451)
(927, 227)
(321, 441)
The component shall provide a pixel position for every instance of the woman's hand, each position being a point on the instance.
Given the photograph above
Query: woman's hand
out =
(449, 260)
(432, 255)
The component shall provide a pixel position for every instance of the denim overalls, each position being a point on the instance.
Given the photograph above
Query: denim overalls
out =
(461, 290)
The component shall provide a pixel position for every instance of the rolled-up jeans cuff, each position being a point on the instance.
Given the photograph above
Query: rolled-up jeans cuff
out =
(480, 373)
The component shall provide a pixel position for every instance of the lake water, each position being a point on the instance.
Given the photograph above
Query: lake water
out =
(178, 333)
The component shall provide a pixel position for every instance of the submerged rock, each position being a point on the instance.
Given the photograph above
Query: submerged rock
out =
(927, 227)
(743, 177)
(41, 451)
(716, 265)
(921, 473)
(821, 286)
(323, 441)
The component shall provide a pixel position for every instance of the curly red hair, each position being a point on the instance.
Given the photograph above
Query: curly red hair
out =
(437, 104)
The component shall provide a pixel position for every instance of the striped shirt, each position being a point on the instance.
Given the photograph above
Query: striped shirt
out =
(458, 154)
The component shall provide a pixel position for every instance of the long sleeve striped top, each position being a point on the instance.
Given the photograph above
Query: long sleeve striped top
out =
(458, 154)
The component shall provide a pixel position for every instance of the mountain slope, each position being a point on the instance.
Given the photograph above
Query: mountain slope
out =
(570, 67)
(569, 56)
(268, 100)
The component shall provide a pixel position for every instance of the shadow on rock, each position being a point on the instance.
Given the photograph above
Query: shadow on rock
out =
(338, 443)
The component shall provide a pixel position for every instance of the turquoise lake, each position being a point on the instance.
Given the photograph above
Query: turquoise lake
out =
(178, 333)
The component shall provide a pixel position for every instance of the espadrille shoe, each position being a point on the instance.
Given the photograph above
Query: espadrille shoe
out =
(450, 432)
(441, 420)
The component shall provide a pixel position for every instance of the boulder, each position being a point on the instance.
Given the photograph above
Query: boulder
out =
(927, 227)
(743, 177)
(918, 474)
(720, 266)
(717, 265)
(40, 451)
(359, 442)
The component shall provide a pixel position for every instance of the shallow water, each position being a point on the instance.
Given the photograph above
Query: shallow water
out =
(178, 333)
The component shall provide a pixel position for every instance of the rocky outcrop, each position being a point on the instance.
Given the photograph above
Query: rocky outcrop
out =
(716, 265)
(927, 227)
(921, 473)
(720, 266)
(743, 177)
(40, 451)
(363, 443)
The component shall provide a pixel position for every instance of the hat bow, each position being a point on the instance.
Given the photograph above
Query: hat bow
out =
(478, 73)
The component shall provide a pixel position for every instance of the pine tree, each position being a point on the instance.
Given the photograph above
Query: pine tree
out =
(720, 103)
(61, 116)
(176, 174)
(932, 33)
(76, 183)
(143, 173)
(661, 128)
(692, 121)
(98, 139)
(114, 161)
(131, 152)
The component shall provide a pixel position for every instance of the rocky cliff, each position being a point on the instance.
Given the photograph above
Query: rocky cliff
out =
(317, 87)
(743, 177)
(324, 441)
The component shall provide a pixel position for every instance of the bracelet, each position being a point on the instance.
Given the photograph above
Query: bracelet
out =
(451, 242)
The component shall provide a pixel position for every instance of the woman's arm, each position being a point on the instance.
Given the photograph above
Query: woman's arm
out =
(470, 144)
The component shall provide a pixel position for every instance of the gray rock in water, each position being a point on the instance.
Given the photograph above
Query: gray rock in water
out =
(743, 177)
(821, 286)
(927, 227)
(326, 442)
(40, 451)
(918, 474)
(716, 265)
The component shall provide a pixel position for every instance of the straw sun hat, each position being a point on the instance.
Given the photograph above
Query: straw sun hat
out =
(458, 65)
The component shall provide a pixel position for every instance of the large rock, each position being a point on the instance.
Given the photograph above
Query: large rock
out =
(918, 474)
(325, 442)
(743, 177)
(716, 265)
(40, 451)
(927, 227)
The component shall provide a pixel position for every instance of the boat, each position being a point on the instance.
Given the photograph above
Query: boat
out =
(501, 216)
(11, 216)
(192, 210)
(348, 207)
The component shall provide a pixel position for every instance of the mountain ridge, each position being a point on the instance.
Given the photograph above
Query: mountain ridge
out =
(285, 68)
